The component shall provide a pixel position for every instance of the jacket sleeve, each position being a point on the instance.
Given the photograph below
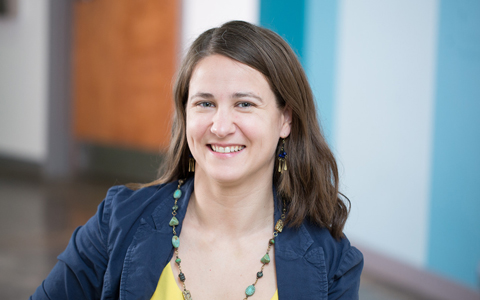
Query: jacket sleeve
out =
(346, 280)
(79, 271)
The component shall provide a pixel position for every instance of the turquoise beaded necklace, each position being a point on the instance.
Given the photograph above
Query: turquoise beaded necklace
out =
(250, 290)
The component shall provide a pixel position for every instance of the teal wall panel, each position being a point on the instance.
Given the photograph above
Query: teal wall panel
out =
(454, 239)
(286, 18)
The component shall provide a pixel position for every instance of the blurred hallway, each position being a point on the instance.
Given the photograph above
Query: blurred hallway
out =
(37, 219)
(396, 89)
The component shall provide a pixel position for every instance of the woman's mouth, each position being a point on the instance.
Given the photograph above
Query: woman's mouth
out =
(227, 149)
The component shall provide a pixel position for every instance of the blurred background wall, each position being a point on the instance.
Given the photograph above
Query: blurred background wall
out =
(397, 86)
(24, 80)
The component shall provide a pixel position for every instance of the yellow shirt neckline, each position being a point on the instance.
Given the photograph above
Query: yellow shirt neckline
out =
(167, 288)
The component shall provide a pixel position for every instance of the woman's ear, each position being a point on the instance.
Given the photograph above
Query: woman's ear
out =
(287, 122)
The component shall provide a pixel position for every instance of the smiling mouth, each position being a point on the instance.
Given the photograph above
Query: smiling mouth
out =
(228, 149)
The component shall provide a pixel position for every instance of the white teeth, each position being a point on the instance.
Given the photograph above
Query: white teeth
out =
(229, 149)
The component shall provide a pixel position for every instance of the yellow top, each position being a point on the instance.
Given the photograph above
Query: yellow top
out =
(167, 288)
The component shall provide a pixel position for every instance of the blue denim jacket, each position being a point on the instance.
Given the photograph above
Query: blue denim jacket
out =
(121, 251)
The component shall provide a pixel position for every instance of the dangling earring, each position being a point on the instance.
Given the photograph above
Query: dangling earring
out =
(191, 164)
(282, 159)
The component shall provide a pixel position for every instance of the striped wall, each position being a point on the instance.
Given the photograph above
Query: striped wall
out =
(397, 85)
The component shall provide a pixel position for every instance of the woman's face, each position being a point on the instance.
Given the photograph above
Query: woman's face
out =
(233, 122)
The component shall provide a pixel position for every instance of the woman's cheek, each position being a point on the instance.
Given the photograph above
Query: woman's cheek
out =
(196, 126)
(253, 125)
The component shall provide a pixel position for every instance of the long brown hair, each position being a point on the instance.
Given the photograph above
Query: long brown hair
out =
(310, 186)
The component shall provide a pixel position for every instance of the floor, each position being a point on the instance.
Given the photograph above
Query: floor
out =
(37, 218)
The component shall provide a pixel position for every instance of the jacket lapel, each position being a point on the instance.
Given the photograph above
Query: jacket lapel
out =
(300, 267)
(151, 248)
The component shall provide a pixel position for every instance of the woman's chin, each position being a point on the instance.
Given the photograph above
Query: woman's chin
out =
(225, 179)
(226, 176)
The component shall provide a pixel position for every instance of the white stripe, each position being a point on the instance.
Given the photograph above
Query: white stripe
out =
(200, 15)
(383, 129)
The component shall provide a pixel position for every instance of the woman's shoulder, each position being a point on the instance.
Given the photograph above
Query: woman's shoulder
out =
(121, 197)
(124, 209)
(120, 193)
(340, 255)
(123, 206)
(322, 237)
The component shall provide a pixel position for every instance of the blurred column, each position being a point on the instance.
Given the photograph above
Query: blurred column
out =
(59, 145)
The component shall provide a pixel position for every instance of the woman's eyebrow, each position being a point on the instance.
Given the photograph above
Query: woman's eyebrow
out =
(246, 95)
(202, 95)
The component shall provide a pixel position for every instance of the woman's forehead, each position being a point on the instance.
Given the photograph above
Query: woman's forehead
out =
(219, 74)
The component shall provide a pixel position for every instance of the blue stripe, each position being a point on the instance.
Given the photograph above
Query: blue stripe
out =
(454, 240)
(320, 59)
(287, 19)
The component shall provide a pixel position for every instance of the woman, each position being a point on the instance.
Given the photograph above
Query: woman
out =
(246, 157)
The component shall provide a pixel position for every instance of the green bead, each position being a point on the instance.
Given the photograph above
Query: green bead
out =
(265, 259)
(272, 241)
(250, 290)
(175, 241)
(178, 261)
(173, 222)
(175, 207)
(177, 194)
(260, 274)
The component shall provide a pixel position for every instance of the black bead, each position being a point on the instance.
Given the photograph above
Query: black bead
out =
(175, 207)
(182, 277)
(260, 274)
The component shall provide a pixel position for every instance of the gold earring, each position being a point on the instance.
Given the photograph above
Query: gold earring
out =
(191, 164)
(282, 159)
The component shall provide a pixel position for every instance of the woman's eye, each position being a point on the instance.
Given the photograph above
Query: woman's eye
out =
(205, 104)
(245, 104)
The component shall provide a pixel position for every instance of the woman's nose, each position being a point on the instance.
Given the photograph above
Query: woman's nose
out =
(222, 124)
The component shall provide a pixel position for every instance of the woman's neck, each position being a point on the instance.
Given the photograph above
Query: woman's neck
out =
(235, 210)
